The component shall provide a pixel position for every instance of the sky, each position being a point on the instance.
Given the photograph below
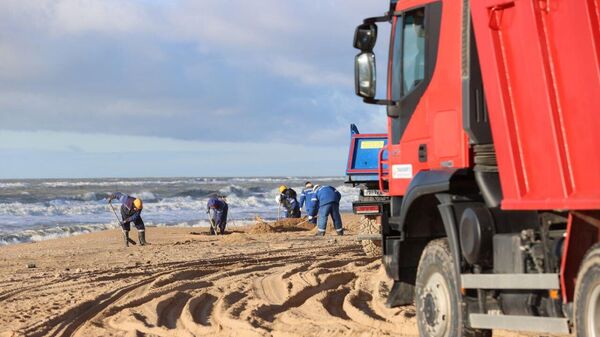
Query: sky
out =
(155, 88)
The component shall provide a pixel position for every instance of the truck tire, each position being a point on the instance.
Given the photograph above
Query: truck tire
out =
(437, 297)
(587, 295)
(369, 226)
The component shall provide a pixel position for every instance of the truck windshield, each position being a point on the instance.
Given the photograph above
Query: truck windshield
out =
(408, 53)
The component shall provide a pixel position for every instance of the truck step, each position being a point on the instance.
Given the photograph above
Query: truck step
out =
(368, 237)
(520, 323)
(510, 281)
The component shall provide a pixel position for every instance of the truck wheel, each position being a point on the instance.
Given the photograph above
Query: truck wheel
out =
(437, 297)
(369, 226)
(587, 295)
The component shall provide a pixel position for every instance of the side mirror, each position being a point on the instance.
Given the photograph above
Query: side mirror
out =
(365, 37)
(365, 75)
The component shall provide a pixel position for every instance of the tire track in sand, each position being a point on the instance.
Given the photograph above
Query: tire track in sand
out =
(68, 322)
(310, 287)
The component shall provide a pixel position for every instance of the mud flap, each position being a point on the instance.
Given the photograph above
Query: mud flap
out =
(402, 293)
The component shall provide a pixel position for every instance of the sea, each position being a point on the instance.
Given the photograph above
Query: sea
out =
(42, 209)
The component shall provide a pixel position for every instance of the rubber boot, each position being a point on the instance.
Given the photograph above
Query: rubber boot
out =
(126, 237)
(142, 237)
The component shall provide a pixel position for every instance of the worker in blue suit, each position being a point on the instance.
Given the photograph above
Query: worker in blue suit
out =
(306, 200)
(131, 210)
(287, 198)
(327, 201)
(217, 209)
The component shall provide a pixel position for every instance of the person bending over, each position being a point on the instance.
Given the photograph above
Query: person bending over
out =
(217, 209)
(327, 201)
(306, 200)
(287, 198)
(131, 210)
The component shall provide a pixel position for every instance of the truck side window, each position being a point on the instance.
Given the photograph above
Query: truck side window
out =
(408, 64)
(414, 50)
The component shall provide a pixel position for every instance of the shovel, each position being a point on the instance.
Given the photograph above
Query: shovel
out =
(300, 223)
(119, 222)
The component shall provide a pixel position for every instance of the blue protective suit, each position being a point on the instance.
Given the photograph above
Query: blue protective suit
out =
(306, 200)
(128, 213)
(327, 202)
(217, 210)
(325, 195)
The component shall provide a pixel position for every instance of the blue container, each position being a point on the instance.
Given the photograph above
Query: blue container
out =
(363, 158)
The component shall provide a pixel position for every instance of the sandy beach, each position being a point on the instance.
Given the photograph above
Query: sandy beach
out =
(257, 281)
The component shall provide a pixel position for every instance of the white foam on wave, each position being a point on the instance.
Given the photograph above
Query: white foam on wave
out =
(349, 195)
(68, 183)
(234, 190)
(144, 195)
(182, 181)
(248, 202)
(90, 183)
(36, 235)
(52, 208)
(257, 180)
(89, 196)
(13, 185)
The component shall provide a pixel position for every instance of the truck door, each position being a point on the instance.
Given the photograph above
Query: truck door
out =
(424, 79)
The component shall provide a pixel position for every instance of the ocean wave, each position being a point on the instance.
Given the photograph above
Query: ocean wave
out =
(196, 193)
(240, 191)
(94, 203)
(35, 235)
(102, 196)
(176, 181)
(111, 183)
(13, 185)
(55, 232)
(52, 208)
(349, 195)
(90, 183)
(144, 195)
(183, 204)
(89, 196)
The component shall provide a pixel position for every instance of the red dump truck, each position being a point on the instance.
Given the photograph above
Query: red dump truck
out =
(492, 163)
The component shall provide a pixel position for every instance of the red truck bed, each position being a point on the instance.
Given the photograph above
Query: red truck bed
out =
(540, 63)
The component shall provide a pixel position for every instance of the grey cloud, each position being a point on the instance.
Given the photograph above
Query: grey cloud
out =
(222, 70)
